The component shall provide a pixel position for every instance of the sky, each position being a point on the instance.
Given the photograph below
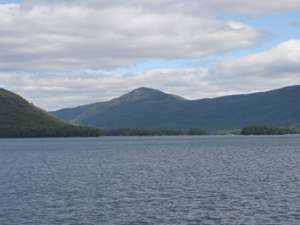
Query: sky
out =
(65, 53)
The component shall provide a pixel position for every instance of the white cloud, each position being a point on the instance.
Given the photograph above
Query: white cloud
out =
(257, 7)
(273, 68)
(280, 61)
(71, 35)
(254, 7)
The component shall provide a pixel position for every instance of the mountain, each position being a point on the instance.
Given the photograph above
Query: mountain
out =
(19, 118)
(149, 108)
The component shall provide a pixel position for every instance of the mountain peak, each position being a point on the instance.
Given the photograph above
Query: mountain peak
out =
(147, 94)
(144, 90)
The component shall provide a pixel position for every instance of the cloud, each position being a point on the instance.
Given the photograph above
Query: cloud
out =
(51, 36)
(254, 7)
(271, 69)
(257, 7)
(277, 62)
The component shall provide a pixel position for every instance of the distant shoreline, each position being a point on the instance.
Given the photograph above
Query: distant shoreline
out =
(137, 137)
(253, 130)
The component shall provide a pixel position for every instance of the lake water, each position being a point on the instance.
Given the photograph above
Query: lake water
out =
(153, 180)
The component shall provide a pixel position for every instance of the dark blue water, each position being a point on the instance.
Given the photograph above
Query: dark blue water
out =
(137, 181)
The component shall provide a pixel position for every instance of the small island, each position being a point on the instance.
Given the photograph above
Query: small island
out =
(266, 130)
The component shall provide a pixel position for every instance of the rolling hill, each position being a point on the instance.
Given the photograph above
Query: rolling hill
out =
(19, 118)
(150, 108)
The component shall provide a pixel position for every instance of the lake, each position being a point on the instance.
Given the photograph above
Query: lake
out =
(150, 180)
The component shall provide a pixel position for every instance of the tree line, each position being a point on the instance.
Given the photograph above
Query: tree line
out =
(66, 130)
(152, 132)
(266, 130)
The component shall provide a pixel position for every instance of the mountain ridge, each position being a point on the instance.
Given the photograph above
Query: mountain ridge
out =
(151, 108)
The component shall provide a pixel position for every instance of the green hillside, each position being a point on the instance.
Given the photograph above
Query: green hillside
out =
(19, 118)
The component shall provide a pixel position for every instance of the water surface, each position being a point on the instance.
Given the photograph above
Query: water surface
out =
(152, 180)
